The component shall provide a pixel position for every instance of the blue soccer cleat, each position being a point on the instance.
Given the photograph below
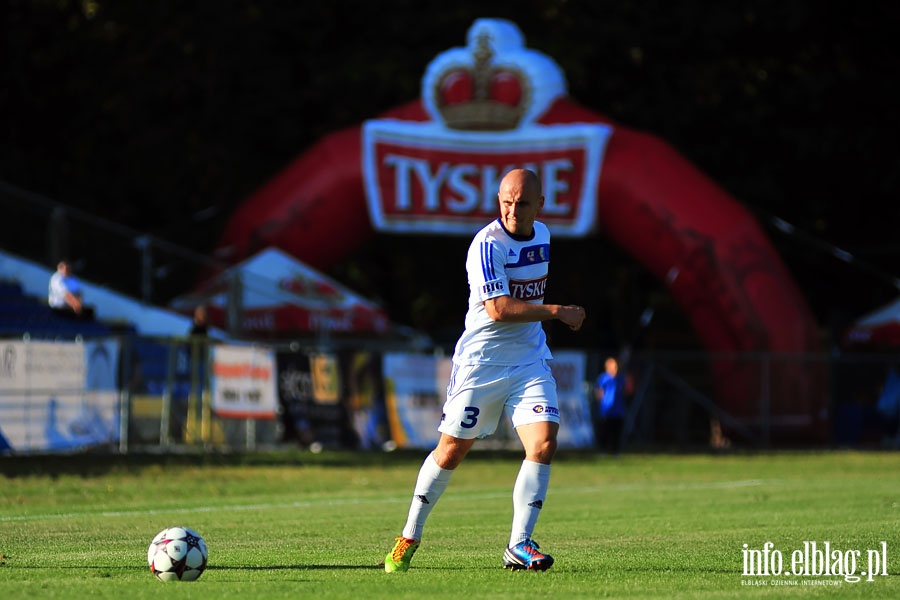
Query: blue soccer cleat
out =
(526, 556)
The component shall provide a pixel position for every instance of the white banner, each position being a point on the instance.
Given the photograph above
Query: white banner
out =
(58, 396)
(576, 429)
(415, 386)
(243, 382)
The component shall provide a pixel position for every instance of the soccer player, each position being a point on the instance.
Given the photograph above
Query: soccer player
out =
(500, 364)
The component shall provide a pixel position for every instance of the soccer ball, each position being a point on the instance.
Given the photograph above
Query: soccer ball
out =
(177, 554)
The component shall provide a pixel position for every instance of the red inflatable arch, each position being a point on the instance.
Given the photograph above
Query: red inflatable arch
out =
(717, 262)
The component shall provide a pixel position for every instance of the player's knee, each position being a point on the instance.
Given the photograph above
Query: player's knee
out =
(542, 451)
(451, 451)
(450, 459)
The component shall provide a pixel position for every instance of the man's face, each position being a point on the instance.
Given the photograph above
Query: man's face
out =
(519, 206)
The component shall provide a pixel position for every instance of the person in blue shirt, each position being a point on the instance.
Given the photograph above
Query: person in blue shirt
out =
(609, 413)
(888, 407)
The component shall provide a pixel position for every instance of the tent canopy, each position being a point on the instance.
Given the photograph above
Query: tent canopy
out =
(878, 329)
(275, 294)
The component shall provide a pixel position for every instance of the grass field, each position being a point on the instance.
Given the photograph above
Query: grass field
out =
(297, 525)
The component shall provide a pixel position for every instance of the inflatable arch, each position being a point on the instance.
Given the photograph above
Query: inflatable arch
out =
(495, 104)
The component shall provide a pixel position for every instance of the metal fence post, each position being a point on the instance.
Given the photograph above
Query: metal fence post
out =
(198, 388)
(165, 417)
(765, 401)
(57, 235)
(235, 308)
(144, 244)
(124, 398)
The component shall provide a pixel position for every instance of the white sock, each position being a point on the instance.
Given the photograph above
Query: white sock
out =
(529, 494)
(430, 484)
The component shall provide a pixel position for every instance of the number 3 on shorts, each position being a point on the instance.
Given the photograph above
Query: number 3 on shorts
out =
(471, 417)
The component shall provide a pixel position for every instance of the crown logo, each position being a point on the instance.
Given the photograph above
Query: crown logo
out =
(485, 97)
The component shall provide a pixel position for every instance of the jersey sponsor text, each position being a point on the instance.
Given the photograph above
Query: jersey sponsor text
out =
(528, 290)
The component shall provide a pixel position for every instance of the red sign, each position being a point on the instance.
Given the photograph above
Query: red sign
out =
(422, 177)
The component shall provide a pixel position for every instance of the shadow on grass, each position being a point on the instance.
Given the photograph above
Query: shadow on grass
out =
(655, 570)
(297, 568)
(122, 568)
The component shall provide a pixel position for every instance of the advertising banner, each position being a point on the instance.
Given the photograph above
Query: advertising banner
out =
(415, 386)
(243, 382)
(424, 177)
(576, 430)
(313, 390)
(58, 396)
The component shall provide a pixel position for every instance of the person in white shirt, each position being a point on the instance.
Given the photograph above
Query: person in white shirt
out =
(63, 295)
(500, 364)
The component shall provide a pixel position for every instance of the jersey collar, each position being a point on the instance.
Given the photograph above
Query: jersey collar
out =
(518, 238)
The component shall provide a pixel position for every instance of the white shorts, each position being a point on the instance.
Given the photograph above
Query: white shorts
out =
(477, 396)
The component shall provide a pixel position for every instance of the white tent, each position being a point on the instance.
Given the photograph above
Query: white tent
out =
(274, 294)
(879, 329)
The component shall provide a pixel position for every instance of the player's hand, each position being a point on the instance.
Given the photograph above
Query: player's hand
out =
(572, 315)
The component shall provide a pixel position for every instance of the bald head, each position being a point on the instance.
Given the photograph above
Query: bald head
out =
(522, 178)
(520, 201)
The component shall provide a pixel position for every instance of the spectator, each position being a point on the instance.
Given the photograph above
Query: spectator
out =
(200, 325)
(64, 295)
(609, 415)
(888, 407)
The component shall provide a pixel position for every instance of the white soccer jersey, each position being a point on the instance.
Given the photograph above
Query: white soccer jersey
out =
(501, 264)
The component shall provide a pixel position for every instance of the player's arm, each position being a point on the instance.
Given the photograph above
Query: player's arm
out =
(512, 310)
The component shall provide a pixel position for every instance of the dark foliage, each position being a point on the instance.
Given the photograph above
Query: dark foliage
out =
(163, 116)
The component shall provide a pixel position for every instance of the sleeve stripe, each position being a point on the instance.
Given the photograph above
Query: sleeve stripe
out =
(487, 265)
